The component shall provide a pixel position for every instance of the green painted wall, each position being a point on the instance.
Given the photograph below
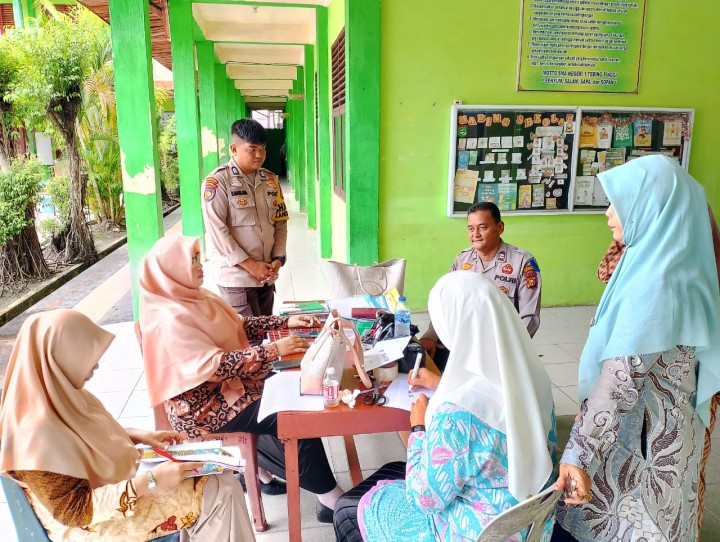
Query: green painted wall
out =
(473, 57)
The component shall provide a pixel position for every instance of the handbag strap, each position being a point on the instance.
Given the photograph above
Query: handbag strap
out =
(340, 324)
(360, 282)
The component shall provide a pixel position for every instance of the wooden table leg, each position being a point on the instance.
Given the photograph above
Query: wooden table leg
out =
(353, 461)
(292, 477)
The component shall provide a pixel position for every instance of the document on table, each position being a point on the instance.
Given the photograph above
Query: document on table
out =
(345, 305)
(397, 393)
(282, 392)
(385, 352)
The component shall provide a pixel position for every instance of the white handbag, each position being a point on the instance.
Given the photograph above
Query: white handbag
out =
(347, 280)
(331, 348)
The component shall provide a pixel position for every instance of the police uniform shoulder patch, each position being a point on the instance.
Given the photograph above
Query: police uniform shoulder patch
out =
(211, 184)
(530, 274)
(534, 264)
(281, 213)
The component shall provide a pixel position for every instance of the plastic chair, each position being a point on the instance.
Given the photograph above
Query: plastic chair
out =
(532, 513)
(247, 442)
(27, 525)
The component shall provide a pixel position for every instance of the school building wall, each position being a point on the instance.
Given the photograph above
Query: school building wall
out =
(465, 50)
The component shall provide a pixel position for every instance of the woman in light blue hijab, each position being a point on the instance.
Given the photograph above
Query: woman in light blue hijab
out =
(650, 366)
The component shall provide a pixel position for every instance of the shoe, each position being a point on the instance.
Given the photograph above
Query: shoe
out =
(274, 487)
(323, 513)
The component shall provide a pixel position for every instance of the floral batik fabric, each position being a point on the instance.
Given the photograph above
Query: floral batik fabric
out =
(640, 440)
(456, 483)
(72, 512)
(203, 409)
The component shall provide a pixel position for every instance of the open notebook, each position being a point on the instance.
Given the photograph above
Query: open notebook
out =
(215, 456)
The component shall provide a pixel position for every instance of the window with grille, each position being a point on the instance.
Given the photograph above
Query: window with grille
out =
(337, 53)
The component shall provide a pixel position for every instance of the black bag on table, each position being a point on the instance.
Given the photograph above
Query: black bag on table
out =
(383, 328)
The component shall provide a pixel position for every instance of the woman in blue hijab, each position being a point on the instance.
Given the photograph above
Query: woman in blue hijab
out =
(650, 366)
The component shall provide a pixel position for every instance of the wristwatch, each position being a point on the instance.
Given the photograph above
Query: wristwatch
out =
(152, 484)
(416, 428)
(281, 259)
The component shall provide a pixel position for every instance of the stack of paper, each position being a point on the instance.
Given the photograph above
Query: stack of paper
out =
(303, 307)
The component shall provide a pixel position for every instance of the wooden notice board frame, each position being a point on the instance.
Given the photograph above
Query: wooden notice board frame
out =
(527, 159)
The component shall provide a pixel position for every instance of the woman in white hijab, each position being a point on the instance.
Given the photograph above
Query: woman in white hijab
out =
(490, 438)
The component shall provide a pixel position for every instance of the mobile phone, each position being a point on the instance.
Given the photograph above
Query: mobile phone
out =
(283, 364)
(305, 334)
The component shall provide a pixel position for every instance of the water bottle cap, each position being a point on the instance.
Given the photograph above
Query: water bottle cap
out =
(402, 298)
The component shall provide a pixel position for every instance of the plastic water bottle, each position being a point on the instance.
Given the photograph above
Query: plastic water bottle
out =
(331, 388)
(402, 318)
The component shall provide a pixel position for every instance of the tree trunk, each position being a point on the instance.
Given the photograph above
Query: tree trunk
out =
(79, 245)
(22, 258)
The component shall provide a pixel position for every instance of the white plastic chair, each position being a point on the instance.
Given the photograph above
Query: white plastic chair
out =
(533, 513)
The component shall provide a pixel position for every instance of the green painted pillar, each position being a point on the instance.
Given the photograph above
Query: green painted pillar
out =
(300, 141)
(28, 7)
(324, 168)
(135, 101)
(223, 129)
(362, 129)
(240, 107)
(186, 113)
(208, 118)
(18, 16)
(291, 141)
(232, 101)
(309, 102)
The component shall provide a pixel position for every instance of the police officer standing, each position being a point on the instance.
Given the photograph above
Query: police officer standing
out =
(513, 269)
(246, 219)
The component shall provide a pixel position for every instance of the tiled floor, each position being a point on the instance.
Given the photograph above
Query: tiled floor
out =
(120, 384)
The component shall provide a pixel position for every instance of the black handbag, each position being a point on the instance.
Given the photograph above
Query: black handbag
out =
(383, 328)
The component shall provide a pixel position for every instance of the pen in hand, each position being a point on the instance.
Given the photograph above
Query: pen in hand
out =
(172, 458)
(415, 370)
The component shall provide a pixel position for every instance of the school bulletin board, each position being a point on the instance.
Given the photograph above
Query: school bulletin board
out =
(545, 160)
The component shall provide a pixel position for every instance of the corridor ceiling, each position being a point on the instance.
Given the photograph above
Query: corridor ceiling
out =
(260, 42)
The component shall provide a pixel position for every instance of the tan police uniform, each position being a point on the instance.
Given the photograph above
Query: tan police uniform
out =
(515, 272)
(245, 217)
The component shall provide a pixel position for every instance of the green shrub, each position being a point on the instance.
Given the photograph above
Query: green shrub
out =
(167, 149)
(58, 188)
(49, 227)
(19, 188)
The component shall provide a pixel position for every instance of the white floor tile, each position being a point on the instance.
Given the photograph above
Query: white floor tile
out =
(563, 374)
(7, 531)
(138, 405)
(113, 401)
(114, 380)
(564, 406)
(552, 354)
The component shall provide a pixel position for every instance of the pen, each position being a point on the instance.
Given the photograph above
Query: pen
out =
(415, 370)
(166, 455)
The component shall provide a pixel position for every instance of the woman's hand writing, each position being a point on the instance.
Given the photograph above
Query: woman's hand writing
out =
(291, 345)
(576, 484)
(157, 439)
(425, 379)
(303, 321)
(170, 473)
(417, 410)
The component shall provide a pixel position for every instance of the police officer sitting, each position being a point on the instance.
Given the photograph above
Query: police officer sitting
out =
(246, 219)
(513, 269)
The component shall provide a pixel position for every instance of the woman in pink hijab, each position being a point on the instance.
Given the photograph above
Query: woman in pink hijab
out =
(78, 466)
(199, 363)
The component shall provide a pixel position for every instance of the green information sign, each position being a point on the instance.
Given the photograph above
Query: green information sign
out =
(581, 45)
